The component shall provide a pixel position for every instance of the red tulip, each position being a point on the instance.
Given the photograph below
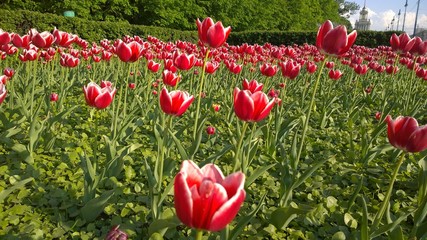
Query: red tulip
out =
(212, 34)
(3, 92)
(97, 96)
(290, 69)
(402, 43)
(234, 68)
(210, 130)
(9, 72)
(419, 48)
(335, 74)
(390, 69)
(361, 69)
(21, 42)
(204, 199)
(5, 37)
(132, 85)
(176, 102)
(153, 66)
(41, 40)
(311, 67)
(53, 97)
(404, 133)
(183, 61)
(129, 52)
(268, 70)
(28, 55)
(378, 116)
(334, 41)
(63, 39)
(330, 64)
(170, 78)
(252, 107)
(211, 67)
(253, 86)
(67, 60)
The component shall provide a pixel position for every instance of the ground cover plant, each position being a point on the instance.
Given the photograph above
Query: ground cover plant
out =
(144, 139)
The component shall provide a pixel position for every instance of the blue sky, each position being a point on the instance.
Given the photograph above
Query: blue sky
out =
(381, 13)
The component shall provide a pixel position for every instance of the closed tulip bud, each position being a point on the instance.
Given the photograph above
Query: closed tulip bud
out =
(132, 85)
(3, 92)
(405, 134)
(210, 130)
(176, 102)
(97, 96)
(251, 107)
(53, 97)
(330, 65)
(205, 199)
(211, 67)
(154, 92)
(334, 41)
(212, 34)
(378, 116)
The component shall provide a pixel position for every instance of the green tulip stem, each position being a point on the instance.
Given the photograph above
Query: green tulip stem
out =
(200, 94)
(199, 234)
(307, 119)
(239, 146)
(385, 203)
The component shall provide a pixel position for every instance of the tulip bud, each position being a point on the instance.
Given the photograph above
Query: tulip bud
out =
(210, 130)
(116, 234)
(53, 97)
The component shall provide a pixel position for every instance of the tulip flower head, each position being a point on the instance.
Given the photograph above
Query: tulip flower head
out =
(53, 97)
(402, 43)
(251, 107)
(404, 133)
(97, 96)
(212, 34)
(210, 130)
(205, 199)
(176, 102)
(334, 41)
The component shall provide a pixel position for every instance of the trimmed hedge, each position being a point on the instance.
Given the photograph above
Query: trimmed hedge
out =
(21, 21)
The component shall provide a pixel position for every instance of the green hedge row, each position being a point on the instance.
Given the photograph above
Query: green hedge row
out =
(21, 21)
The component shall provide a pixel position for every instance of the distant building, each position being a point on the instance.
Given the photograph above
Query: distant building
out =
(363, 24)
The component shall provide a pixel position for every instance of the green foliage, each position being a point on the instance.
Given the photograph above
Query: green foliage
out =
(242, 15)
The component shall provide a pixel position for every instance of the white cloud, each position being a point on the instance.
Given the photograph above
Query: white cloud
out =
(382, 20)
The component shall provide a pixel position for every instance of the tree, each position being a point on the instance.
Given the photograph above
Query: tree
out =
(346, 9)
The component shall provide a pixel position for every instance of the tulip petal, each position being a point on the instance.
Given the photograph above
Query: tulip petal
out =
(244, 105)
(323, 30)
(194, 174)
(217, 35)
(233, 182)
(335, 40)
(185, 105)
(212, 172)
(418, 140)
(103, 100)
(225, 214)
(165, 101)
(124, 52)
(183, 199)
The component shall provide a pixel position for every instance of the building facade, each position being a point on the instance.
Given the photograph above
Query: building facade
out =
(363, 24)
